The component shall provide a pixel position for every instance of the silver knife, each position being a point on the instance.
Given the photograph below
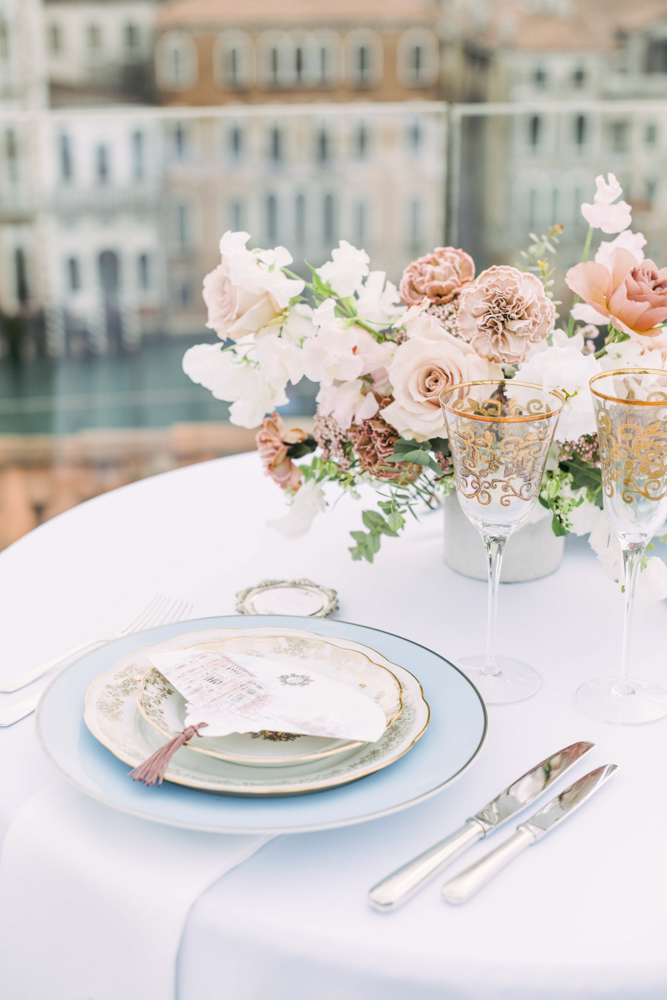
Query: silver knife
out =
(462, 887)
(394, 890)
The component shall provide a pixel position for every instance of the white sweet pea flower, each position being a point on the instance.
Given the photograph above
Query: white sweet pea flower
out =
(330, 354)
(607, 191)
(627, 240)
(603, 214)
(630, 354)
(563, 366)
(348, 403)
(307, 504)
(583, 313)
(378, 302)
(280, 360)
(299, 324)
(346, 269)
(234, 379)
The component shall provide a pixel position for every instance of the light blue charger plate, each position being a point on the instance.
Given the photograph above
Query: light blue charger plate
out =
(449, 745)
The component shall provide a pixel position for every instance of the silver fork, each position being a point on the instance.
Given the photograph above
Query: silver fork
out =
(161, 610)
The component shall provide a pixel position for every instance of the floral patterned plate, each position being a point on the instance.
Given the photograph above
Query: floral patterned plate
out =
(112, 717)
(164, 708)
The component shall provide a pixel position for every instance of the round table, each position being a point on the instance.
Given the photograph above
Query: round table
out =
(579, 915)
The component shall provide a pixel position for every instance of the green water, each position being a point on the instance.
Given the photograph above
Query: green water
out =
(144, 389)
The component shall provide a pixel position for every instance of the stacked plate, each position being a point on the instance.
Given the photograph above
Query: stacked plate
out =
(133, 710)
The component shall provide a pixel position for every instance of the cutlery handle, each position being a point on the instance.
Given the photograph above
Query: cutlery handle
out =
(398, 887)
(462, 887)
(18, 681)
(18, 711)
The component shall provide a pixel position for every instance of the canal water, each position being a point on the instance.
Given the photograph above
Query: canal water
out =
(147, 388)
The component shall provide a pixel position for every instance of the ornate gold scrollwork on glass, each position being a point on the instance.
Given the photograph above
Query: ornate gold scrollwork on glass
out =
(633, 449)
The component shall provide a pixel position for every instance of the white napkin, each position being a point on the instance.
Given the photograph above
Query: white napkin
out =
(93, 902)
(247, 694)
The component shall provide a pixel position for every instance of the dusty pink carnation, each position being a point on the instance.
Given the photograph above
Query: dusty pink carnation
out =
(273, 440)
(439, 276)
(503, 313)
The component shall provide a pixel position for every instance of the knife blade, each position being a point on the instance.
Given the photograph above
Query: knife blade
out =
(464, 886)
(394, 890)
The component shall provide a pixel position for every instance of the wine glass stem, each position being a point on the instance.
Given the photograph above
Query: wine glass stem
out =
(633, 553)
(495, 546)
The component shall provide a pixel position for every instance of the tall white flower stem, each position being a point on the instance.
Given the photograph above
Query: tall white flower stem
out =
(633, 554)
(495, 546)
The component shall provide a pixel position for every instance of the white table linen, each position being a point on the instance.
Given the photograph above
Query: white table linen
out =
(580, 915)
(93, 902)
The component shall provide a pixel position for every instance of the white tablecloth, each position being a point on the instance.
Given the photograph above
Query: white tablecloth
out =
(582, 914)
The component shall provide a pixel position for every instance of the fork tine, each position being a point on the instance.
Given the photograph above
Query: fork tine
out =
(157, 616)
(134, 625)
(177, 614)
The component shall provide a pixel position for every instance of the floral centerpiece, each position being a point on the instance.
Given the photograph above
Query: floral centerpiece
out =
(381, 356)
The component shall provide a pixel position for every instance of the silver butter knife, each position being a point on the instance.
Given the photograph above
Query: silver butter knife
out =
(464, 886)
(394, 890)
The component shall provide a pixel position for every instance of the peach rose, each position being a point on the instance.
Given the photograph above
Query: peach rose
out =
(273, 441)
(422, 367)
(503, 313)
(439, 276)
(632, 296)
(234, 311)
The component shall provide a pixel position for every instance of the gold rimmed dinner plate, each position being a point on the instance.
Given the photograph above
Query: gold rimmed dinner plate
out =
(113, 718)
(165, 708)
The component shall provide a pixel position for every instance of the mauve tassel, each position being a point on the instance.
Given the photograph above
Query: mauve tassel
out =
(153, 769)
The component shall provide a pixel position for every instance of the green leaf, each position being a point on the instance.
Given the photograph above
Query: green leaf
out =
(301, 448)
(417, 457)
(558, 528)
(373, 520)
(396, 521)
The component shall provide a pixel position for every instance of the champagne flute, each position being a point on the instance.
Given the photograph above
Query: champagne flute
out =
(631, 414)
(499, 433)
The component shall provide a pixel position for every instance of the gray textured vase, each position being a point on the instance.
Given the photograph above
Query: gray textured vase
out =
(532, 551)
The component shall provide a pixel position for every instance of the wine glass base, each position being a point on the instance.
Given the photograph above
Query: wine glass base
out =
(515, 681)
(643, 702)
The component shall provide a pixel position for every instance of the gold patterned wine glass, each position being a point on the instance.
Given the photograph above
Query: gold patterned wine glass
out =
(631, 413)
(499, 433)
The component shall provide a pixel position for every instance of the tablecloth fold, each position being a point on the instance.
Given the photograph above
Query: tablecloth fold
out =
(93, 902)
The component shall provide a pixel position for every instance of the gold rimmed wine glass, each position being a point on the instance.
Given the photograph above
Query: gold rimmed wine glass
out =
(499, 434)
(631, 414)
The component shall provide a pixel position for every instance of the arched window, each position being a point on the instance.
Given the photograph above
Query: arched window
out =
(325, 58)
(278, 60)
(21, 275)
(176, 61)
(275, 144)
(272, 219)
(415, 136)
(11, 156)
(323, 146)
(418, 58)
(300, 219)
(329, 219)
(102, 164)
(534, 130)
(233, 62)
(361, 141)
(415, 224)
(73, 274)
(138, 155)
(235, 142)
(361, 219)
(580, 130)
(236, 214)
(65, 157)
(183, 226)
(364, 59)
(181, 141)
(144, 272)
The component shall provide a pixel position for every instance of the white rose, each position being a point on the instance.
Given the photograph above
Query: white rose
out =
(422, 367)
